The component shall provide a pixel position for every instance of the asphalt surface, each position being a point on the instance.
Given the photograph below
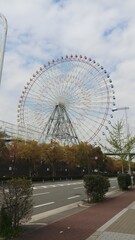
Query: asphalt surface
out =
(48, 196)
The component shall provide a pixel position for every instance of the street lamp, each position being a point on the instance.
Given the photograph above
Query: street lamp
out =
(42, 169)
(3, 23)
(128, 132)
(53, 158)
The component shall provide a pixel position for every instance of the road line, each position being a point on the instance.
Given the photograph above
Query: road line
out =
(56, 185)
(45, 204)
(78, 187)
(112, 179)
(73, 197)
(38, 194)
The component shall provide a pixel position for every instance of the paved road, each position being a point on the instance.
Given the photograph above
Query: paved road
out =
(48, 196)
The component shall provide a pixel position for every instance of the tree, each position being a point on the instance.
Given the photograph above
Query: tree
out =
(52, 153)
(85, 155)
(98, 159)
(69, 157)
(4, 152)
(118, 143)
(28, 152)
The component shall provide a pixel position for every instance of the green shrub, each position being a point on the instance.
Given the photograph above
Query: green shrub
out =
(7, 231)
(5, 223)
(133, 176)
(124, 181)
(96, 186)
(16, 206)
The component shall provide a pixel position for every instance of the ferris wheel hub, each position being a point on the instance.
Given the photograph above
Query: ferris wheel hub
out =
(61, 101)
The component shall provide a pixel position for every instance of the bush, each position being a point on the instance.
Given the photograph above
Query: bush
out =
(96, 187)
(124, 181)
(6, 229)
(133, 176)
(16, 207)
(5, 224)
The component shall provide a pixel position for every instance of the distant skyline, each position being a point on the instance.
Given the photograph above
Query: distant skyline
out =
(42, 30)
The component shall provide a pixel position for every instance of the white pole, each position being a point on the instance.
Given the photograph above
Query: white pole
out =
(3, 42)
(128, 134)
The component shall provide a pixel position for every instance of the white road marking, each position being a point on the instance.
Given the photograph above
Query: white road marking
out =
(57, 185)
(38, 194)
(45, 204)
(113, 179)
(39, 223)
(73, 197)
(78, 187)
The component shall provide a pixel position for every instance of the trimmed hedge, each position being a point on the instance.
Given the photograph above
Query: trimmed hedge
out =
(133, 176)
(96, 186)
(124, 181)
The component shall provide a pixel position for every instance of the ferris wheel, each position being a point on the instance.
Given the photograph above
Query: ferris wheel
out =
(68, 100)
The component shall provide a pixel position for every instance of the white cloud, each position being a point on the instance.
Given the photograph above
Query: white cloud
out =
(40, 30)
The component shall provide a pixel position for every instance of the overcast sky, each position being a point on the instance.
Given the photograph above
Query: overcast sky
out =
(40, 30)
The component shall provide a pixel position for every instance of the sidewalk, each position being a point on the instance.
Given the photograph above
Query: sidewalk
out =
(112, 219)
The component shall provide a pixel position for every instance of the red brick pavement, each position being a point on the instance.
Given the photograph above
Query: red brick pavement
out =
(83, 224)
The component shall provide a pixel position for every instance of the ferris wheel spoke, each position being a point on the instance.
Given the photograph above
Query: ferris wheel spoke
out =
(50, 87)
(82, 127)
(86, 116)
(87, 73)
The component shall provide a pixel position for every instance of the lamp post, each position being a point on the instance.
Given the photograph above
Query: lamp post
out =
(53, 159)
(128, 132)
(3, 23)
(42, 169)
